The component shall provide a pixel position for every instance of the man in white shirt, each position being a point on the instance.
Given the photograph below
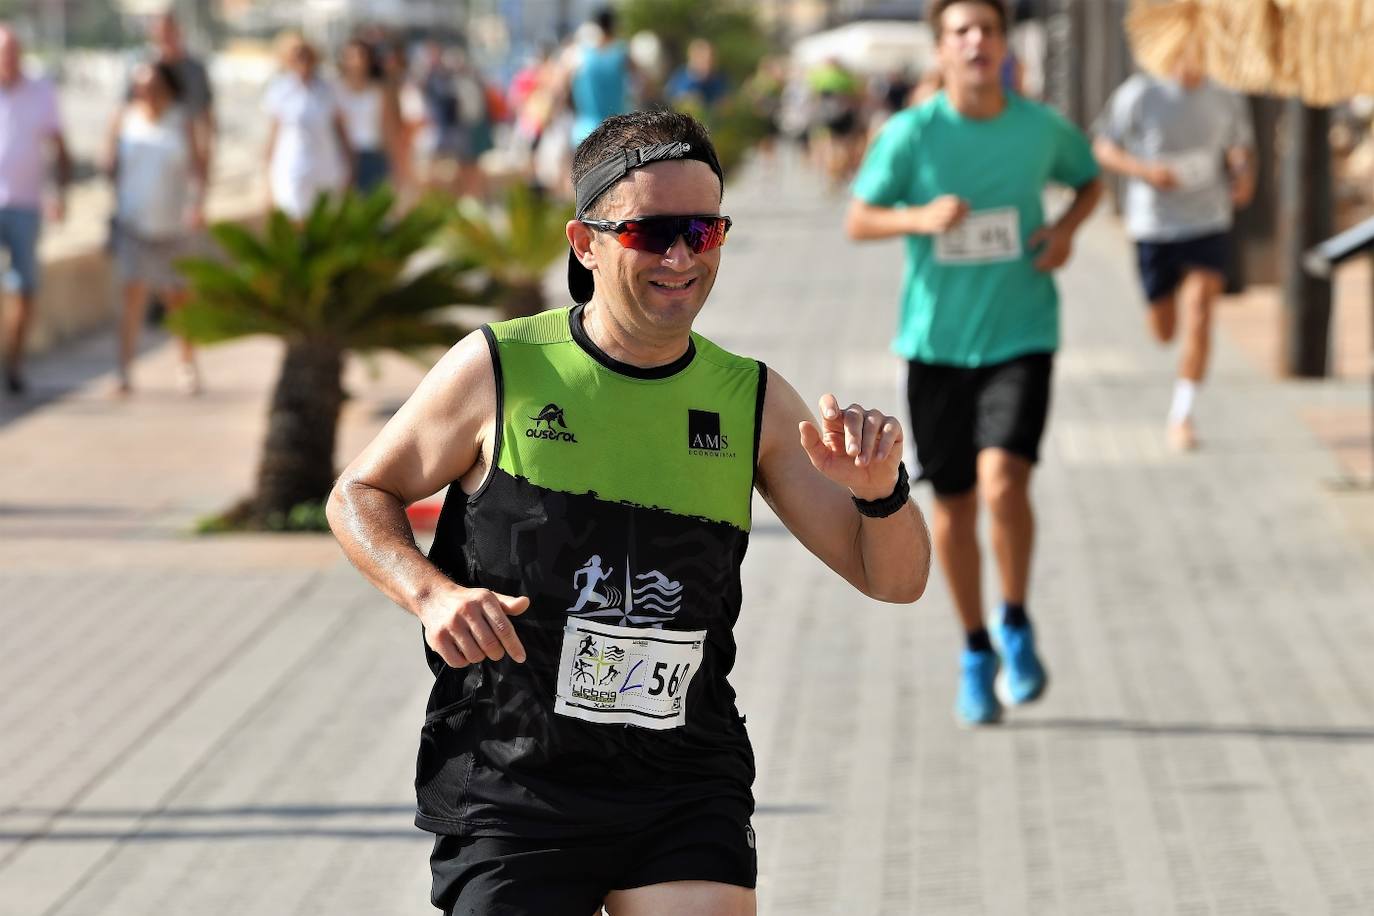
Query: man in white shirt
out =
(29, 124)
(1185, 147)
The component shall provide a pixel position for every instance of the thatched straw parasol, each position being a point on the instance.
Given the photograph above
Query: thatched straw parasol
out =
(1321, 51)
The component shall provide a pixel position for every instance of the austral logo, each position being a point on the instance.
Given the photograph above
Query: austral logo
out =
(544, 425)
(704, 436)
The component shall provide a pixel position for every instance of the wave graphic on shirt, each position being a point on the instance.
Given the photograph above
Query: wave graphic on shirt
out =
(653, 599)
(659, 595)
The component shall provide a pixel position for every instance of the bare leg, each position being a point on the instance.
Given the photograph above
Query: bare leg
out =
(17, 321)
(175, 300)
(1198, 292)
(954, 525)
(1004, 483)
(130, 327)
(1162, 318)
(188, 377)
(683, 898)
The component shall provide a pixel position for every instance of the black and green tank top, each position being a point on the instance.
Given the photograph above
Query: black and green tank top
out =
(619, 502)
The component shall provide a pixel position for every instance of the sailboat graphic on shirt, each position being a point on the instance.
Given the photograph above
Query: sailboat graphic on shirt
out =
(647, 599)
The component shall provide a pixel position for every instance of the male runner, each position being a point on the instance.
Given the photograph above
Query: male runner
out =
(581, 752)
(961, 177)
(1187, 148)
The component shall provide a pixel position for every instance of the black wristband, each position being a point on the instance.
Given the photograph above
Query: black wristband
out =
(888, 505)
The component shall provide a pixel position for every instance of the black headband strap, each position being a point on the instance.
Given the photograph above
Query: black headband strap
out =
(603, 176)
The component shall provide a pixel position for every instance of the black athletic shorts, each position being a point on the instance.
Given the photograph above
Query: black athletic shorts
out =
(1163, 264)
(505, 876)
(957, 412)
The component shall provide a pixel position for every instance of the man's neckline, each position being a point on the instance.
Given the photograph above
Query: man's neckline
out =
(584, 340)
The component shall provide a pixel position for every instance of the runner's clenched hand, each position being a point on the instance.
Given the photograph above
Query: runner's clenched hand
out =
(856, 447)
(941, 214)
(1160, 176)
(1052, 246)
(469, 625)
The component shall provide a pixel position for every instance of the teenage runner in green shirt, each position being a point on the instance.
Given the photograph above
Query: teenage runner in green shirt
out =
(961, 177)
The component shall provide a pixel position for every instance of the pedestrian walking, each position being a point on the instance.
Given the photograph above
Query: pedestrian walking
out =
(30, 128)
(582, 745)
(197, 94)
(763, 92)
(600, 78)
(961, 177)
(158, 169)
(370, 122)
(1186, 149)
(308, 152)
(698, 84)
(838, 132)
(459, 125)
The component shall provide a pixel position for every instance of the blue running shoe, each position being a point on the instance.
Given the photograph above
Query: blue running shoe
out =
(1023, 678)
(977, 703)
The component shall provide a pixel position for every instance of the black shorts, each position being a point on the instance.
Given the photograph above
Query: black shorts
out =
(957, 412)
(1163, 264)
(505, 876)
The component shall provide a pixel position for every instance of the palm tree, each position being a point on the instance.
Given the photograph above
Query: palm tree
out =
(345, 278)
(513, 245)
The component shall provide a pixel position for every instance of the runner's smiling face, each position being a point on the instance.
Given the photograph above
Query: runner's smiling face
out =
(972, 45)
(657, 292)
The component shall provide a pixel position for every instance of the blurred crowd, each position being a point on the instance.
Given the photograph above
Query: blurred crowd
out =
(419, 117)
(382, 110)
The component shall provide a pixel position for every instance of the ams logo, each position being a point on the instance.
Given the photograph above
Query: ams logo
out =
(704, 437)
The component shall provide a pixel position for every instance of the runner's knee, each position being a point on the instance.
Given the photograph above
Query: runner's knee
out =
(1162, 318)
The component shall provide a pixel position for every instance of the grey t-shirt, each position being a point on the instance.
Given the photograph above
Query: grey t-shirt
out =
(1188, 129)
(197, 94)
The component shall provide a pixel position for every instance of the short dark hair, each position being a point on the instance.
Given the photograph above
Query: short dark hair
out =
(936, 14)
(638, 128)
(605, 20)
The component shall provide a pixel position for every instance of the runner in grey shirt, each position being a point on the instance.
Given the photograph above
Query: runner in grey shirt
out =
(1185, 146)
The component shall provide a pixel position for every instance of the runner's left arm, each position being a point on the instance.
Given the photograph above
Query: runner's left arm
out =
(810, 473)
(1053, 243)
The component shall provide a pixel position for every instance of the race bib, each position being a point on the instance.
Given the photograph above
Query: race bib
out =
(1194, 170)
(626, 675)
(984, 235)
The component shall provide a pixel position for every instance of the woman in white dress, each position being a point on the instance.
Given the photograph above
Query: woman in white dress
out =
(159, 175)
(308, 151)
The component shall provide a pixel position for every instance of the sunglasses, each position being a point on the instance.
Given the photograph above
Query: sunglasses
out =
(659, 233)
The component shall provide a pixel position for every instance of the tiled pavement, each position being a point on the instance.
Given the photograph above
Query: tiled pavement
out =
(228, 725)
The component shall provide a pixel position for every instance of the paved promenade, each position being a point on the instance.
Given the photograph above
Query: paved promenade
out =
(227, 726)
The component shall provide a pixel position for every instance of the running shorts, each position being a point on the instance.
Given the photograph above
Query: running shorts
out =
(956, 412)
(1163, 264)
(506, 876)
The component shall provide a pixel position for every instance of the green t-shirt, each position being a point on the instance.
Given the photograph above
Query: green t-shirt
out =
(976, 299)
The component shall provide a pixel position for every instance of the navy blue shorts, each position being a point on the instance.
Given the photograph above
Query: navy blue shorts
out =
(1163, 264)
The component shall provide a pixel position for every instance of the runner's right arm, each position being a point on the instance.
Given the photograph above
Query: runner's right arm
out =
(1114, 158)
(866, 221)
(443, 434)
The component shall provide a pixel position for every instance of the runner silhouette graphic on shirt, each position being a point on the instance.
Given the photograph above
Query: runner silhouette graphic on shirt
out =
(591, 575)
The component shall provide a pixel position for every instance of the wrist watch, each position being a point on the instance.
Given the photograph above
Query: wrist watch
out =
(890, 504)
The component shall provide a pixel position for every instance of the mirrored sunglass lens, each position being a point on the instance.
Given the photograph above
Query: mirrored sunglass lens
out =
(647, 236)
(705, 234)
(659, 235)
